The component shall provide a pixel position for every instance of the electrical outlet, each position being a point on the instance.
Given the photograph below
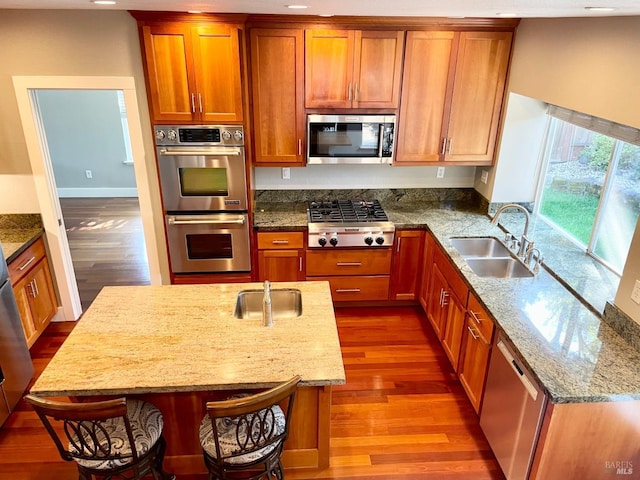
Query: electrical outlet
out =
(440, 173)
(286, 173)
(484, 177)
(635, 294)
(88, 173)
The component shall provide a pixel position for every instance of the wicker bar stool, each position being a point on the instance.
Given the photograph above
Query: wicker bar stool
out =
(243, 437)
(119, 438)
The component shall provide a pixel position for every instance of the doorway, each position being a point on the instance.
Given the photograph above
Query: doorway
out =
(46, 191)
(87, 137)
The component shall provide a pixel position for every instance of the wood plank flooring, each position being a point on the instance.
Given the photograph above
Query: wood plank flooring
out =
(402, 414)
(106, 242)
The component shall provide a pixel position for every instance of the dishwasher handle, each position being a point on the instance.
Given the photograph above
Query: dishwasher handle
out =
(533, 391)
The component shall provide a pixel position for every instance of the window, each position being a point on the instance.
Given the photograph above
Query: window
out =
(591, 184)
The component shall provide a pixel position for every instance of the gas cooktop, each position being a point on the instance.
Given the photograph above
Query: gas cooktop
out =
(349, 223)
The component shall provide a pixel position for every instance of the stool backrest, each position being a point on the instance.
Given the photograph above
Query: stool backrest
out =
(252, 420)
(85, 430)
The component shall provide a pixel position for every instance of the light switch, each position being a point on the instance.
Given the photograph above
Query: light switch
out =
(440, 172)
(635, 294)
(286, 173)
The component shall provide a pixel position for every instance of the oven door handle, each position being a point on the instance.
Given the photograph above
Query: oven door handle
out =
(198, 152)
(204, 220)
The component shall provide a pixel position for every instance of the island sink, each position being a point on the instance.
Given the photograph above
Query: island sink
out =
(285, 303)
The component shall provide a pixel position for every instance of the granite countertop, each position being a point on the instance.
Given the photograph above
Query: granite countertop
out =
(185, 338)
(18, 232)
(575, 355)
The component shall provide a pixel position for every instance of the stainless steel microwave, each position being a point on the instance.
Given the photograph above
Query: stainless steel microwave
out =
(335, 139)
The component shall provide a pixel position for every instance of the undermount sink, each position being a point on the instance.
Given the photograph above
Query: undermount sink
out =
(285, 303)
(498, 267)
(489, 257)
(480, 247)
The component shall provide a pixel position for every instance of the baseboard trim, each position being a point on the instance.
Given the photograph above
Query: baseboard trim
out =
(97, 192)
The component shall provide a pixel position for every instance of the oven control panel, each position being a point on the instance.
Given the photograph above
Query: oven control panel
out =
(203, 135)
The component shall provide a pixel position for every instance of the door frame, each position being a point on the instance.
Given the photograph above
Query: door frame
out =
(42, 170)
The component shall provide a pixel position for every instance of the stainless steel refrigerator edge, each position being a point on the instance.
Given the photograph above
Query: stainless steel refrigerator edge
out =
(16, 368)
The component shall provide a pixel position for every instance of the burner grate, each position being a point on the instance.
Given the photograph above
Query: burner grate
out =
(346, 211)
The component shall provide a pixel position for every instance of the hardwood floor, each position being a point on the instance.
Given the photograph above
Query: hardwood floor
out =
(106, 242)
(401, 415)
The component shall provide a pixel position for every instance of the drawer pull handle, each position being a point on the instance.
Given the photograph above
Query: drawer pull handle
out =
(26, 264)
(280, 242)
(475, 337)
(474, 315)
(347, 290)
(349, 264)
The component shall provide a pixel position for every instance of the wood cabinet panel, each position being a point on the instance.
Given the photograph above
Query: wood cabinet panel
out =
(482, 322)
(481, 72)
(454, 281)
(377, 69)
(216, 53)
(281, 265)
(328, 68)
(168, 65)
(428, 64)
(454, 325)
(277, 79)
(436, 311)
(474, 363)
(33, 287)
(349, 262)
(357, 288)
(407, 260)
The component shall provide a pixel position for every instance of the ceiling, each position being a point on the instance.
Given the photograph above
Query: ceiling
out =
(426, 8)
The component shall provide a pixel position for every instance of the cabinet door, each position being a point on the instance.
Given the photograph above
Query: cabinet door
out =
(280, 265)
(429, 59)
(474, 364)
(436, 311)
(481, 71)
(168, 63)
(427, 262)
(454, 325)
(277, 79)
(329, 68)
(216, 53)
(407, 260)
(377, 69)
(43, 300)
(21, 290)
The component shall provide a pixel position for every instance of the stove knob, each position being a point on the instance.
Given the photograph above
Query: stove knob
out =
(333, 240)
(160, 135)
(226, 135)
(237, 135)
(322, 241)
(379, 240)
(172, 135)
(368, 240)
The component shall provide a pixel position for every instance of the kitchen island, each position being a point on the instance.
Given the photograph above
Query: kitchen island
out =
(180, 346)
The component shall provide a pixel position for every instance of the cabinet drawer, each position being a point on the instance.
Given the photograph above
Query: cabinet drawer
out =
(24, 262)
(349, 262)
(357, 288)
(280, 240)
(480, 318)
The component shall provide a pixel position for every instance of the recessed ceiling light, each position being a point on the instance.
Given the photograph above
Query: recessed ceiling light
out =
(600, 9)
(299, 7)
(506, 14)
(103, 2)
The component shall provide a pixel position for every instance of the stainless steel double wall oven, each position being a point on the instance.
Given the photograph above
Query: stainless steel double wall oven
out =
(204, 190)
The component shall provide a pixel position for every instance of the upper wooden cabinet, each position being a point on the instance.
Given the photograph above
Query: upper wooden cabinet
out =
(353, 68)
(452, 92)
(277, 84)
(193, 72)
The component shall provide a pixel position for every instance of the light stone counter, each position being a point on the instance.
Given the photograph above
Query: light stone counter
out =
(184, 338)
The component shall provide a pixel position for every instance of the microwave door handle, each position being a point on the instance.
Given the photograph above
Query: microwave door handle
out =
(198, 152)
(204, 221)
(380, 142)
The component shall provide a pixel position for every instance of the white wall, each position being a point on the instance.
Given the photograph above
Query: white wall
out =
(318, 177)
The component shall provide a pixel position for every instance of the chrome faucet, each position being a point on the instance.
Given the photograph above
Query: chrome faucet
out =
(524, 242)
(267, 312)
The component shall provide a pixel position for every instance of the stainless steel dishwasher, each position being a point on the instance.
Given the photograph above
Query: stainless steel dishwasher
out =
(511, 412)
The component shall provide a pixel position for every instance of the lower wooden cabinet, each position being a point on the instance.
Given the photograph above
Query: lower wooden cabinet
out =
(281, 256)
(452, 338)
(407, 259)
(30, 276)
